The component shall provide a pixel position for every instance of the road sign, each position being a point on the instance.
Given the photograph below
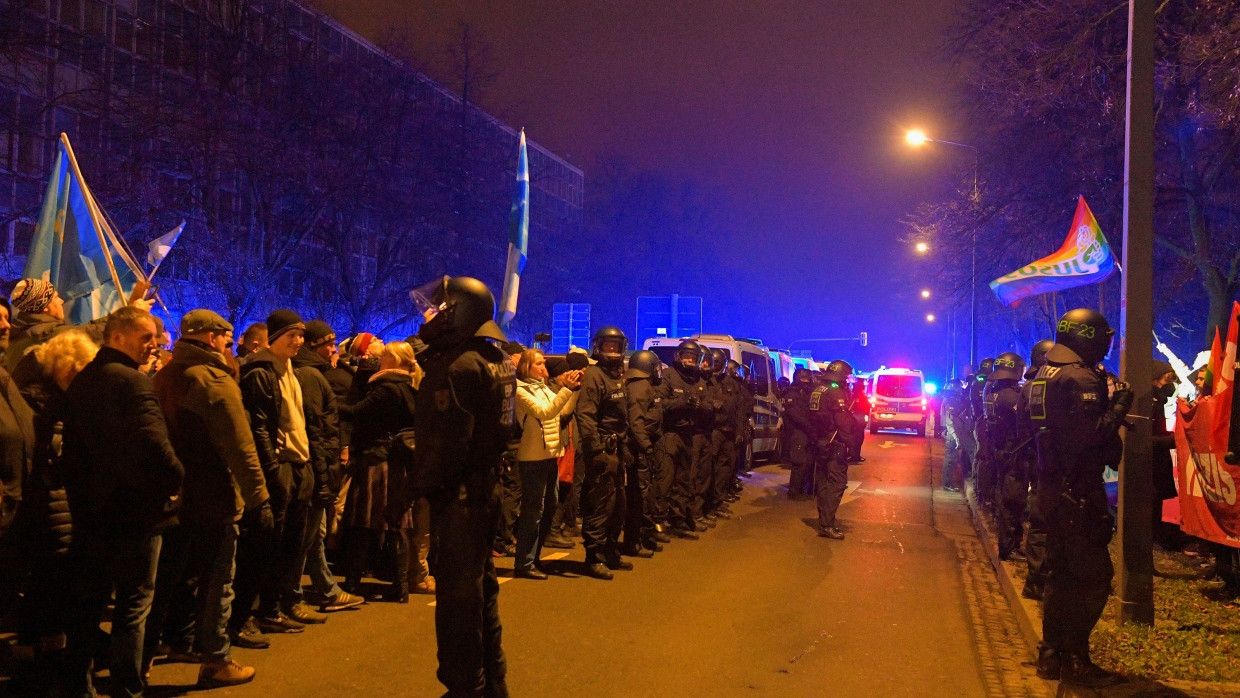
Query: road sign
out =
(668, 316)
(570, 326)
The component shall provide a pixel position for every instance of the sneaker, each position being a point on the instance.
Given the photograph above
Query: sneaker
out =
(249, 636)
(230, 673)
(339, 602)
(302, 613)
(556, 540)
(279, 624)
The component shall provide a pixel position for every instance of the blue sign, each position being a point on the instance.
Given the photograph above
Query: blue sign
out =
(668, 316)
(570, 327)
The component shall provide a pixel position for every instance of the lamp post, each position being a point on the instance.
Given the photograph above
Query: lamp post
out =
(917, 138)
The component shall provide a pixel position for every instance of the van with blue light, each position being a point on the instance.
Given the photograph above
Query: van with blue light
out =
(753, 356)
(898, 400)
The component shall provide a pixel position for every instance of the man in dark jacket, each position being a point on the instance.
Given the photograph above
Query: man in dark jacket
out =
(681, 396)
(223, 480)
(16, 433)
(800, 434)
(645, 417)
(602, 417)
(274, 400)
(124, 487)
(312, 365)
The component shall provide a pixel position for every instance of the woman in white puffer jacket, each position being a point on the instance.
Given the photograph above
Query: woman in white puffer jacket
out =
(539, 408)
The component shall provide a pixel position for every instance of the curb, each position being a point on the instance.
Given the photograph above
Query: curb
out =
(1029, 621)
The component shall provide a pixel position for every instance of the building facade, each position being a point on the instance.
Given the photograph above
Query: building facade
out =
(314, 169)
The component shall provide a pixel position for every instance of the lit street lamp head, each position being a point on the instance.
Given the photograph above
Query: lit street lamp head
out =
(922, 248)
(925, 293)
(930, 317)
(916, 137)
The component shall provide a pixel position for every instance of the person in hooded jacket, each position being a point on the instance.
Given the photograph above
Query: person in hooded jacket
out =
(540, 406)
(645, 424)
(387, 408)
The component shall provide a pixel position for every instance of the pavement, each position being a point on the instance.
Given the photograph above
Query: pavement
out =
(907, 605)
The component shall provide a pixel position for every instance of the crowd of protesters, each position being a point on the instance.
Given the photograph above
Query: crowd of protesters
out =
(193, 489)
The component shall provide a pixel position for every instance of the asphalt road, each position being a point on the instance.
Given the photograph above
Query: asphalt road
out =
(758, 606)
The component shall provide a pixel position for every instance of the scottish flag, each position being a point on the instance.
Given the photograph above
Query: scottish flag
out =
(518, 238)
(75, 249)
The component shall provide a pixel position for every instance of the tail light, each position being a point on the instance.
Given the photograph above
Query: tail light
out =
(923, 403)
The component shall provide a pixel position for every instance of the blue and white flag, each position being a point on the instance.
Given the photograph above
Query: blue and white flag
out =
(75, 249)
(518, 238)
(158, 249)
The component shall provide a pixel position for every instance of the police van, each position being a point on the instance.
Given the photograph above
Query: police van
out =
(753, 356)
(898, 400)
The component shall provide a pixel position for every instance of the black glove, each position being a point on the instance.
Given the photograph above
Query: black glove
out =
(265, 518)
(1121, 402)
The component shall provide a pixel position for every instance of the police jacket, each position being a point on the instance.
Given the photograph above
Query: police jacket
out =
(683, 396)
(209, 433)
(829, 413)
(466, 407)
(120, 471)
(715, 412)
(731, 398)
(799, 430)
(744, 410)
(602, 410)
(1001, 397)
(1069, 400)
(645, 415)
(1025, 428)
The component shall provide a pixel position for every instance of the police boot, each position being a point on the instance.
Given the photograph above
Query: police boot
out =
(1032, 590)
(637, 551)
(1049, 663)
(1077, 670)
(599, 571)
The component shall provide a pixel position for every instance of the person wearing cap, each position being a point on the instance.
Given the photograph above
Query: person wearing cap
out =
(123, 481)
(269, 566)
(312, 364)
(224, 483)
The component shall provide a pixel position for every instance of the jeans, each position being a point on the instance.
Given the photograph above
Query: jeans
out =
(194, 592)
(322, 583)
(539, 488)
(102, 561)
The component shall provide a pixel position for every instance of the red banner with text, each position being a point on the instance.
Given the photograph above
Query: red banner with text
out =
(1207, 484)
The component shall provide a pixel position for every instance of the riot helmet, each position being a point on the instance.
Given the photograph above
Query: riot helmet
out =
(734, 368)
(1037, 355)
(718, 361)
(609, 345)
(455, 308)
(706, 366)
(803, 376)
(987, 366)
(1008, 366)
(1086, 332)
(643, 364)
(688, 354)
(838, 371)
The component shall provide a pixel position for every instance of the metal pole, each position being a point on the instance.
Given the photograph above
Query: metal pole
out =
(973, 275)
(1136, 576)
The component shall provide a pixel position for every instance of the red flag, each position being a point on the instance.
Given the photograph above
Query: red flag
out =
(1224, 384)
(1212, 364)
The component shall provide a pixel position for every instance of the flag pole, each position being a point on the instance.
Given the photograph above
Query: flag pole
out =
(94, 212)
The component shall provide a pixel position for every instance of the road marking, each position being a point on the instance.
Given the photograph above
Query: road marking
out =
(851, 492)
(505, 580)
(890, 444)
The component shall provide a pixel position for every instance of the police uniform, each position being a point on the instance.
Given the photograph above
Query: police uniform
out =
(466, 413)
(832, 431)
(1077, 437)
(712, 416)
(682, 396)
(1027, 457)
(602, 421)
(645, 427)
(982, 455)
(1011, 483)
(744, 431)
(724, 438)
(799, 432)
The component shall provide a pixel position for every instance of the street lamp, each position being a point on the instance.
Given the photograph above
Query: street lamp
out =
(925, 293)
(917, 138)
(922, 248)
(930, 317)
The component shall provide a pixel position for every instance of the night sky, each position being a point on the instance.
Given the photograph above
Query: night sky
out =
(790, 111)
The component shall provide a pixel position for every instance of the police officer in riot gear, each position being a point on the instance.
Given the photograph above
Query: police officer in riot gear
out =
(833, 427)
(800, 433)
(744, 429)
(645, 426)
(723, 436)
(1027, 454)
(683, 397)
(704, 473)
(1078, 425)
(1011, 481)
(602, 422)
(980, 453)
(466, 413)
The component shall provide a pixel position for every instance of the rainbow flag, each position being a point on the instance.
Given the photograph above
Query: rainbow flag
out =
(1085, 258)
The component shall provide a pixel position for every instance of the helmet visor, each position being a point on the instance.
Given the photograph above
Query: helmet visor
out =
(430, 298)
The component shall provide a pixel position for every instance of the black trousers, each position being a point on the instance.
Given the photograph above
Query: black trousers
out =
(1035, 544)
(662, 475)
(510, 500)
(830, 481)
(704, 475)
(602, 506)
(682, 451)
(1012, 501)
(467, 626)
(1078, 582)
(638, 520)
(290, 502)
(724, 446)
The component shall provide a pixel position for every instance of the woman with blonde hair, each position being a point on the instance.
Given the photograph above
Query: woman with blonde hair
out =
(386, 407)
(539, 408)
(46, 518)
